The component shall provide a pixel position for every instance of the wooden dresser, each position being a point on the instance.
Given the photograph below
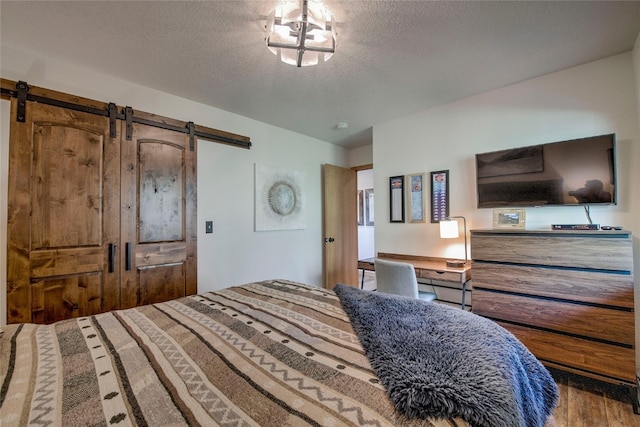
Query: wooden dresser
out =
(567, 295)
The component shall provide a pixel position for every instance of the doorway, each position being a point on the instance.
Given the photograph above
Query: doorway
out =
(366, 223)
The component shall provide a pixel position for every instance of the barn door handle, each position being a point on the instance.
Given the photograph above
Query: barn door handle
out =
(127, 262)
(112, 256)
(329, 240)
(73, 306)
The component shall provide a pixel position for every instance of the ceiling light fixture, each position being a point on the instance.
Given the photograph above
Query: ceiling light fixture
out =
(301, 33)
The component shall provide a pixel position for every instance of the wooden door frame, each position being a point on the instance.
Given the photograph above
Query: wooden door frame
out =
(362, 167)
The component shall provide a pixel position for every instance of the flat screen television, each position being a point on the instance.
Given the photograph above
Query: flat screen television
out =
(574, 172)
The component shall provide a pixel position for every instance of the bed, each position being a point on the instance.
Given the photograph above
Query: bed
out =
(272, 353)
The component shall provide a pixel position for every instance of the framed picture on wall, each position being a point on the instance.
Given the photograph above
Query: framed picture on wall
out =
(415, 197)
(396, 198)
(360, 207)
(368, 200)
(439, 195)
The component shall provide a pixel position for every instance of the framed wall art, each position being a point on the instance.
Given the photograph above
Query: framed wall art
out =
(415, 197)
(360, 207)
(368, 201)
(279, 199)
(439, 195)
(396, 198)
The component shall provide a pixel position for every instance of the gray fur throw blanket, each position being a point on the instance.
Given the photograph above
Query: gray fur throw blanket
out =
(441, 361)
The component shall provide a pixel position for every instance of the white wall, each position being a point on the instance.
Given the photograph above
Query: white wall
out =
(234, 253)
(591, 99)
(361, 156)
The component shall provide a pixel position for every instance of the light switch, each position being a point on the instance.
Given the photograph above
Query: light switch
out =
(208, 227)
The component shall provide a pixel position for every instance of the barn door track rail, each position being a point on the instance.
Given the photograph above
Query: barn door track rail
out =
(23, 92)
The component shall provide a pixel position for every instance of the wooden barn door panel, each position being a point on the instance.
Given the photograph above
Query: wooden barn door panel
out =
(162, 283)
(158, 216)
(65, 298)
(63, 198)
(66, 187)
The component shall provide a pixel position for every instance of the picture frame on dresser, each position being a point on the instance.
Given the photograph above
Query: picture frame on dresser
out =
(509, 218)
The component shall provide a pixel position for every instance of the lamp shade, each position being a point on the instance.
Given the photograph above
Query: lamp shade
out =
(449, 229)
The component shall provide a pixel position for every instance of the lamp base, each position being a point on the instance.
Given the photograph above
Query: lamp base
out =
(455, 263)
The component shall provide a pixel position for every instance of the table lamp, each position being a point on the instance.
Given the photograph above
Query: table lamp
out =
(449, 229)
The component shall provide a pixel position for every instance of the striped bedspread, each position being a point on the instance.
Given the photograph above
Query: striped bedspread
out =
(271, 353)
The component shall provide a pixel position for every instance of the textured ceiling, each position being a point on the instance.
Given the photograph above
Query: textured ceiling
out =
(393, 58)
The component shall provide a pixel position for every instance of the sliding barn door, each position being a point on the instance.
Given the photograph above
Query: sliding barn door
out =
(95, 222)
(63, 215)
(158, 256)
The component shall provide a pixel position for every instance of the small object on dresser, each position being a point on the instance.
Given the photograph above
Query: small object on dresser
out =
(509, 218)
(575, 226)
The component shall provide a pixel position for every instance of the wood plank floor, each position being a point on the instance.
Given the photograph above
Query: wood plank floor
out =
(583, 402)
(589, 403)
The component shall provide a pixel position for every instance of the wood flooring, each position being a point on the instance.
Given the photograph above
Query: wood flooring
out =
(589, 403)
(583, 402)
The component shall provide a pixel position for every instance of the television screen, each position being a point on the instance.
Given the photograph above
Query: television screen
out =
(574, 172)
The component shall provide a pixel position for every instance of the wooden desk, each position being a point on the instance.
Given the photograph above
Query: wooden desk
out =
(429, 271)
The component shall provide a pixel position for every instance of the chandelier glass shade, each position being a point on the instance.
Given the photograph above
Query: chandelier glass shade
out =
(301, 33)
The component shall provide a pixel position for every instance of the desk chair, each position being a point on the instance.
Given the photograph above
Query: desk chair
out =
(399, 278)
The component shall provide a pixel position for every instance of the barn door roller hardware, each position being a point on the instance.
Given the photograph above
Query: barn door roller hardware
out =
(22, 94)
(22, 89)
(113, 117)
(128, 118)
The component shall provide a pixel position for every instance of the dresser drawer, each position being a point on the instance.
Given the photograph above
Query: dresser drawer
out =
(587, 321)
(594, 251)
(607, 360)
(613, 289)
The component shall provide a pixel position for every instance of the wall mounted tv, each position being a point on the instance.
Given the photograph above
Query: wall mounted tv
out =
(574, 172)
